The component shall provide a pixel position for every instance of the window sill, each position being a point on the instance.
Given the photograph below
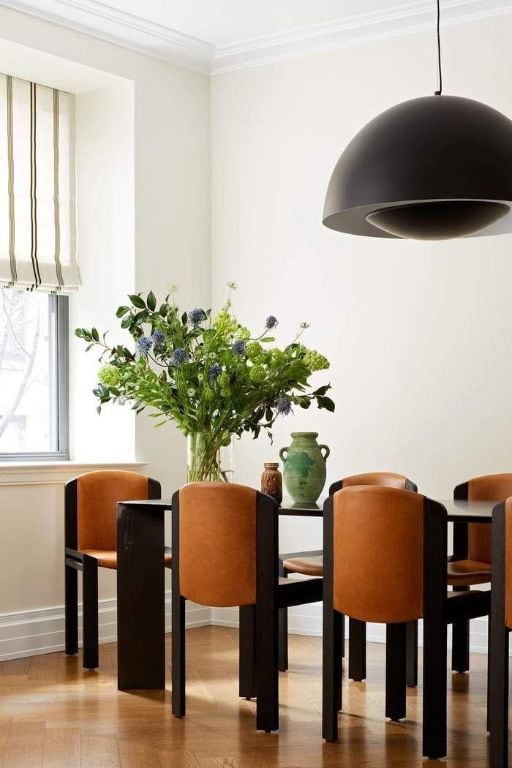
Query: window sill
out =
(14, 473)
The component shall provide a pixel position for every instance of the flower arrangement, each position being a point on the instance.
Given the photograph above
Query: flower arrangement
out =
(205, 372)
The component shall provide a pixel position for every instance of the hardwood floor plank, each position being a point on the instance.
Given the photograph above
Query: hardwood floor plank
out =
(25, 744)
(99, 751)
(5, 727)
(61, 748)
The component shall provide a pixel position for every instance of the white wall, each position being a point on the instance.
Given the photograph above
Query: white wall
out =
(144, 221)
(419, 334)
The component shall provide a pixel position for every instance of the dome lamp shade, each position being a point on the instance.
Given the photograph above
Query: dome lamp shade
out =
(431, 168)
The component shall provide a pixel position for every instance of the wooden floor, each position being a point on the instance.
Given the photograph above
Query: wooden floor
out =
(55, 715)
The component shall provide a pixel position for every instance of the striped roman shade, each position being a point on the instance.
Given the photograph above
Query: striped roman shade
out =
(37, 187)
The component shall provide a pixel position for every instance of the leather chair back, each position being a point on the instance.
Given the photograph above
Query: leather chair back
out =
(378, 553)
(97, 494)
(217, 544)
(485, 488)
(387, 479)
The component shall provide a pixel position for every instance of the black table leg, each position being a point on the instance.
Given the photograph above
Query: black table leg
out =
(140, 597)
(90, 612)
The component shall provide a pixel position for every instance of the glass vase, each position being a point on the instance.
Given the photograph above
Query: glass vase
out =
(207, 459)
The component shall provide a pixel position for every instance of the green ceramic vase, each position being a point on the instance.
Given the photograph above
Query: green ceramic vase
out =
(304, 467)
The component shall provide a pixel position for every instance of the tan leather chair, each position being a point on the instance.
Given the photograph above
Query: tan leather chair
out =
(91, 543)
(501, 624)
(311, 564)
(225, 553)
(410, 583)
(472, 552)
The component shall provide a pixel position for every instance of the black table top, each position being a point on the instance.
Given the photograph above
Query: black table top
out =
(458, 511)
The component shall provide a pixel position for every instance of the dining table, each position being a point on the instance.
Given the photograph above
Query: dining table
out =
(141, 579)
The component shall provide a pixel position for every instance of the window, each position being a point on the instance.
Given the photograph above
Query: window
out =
(38, 267)
(33, 375)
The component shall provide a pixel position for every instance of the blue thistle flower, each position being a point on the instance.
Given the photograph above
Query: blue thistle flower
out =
(144, 345)
(215, 371)
(196, 316)
(158, 338)
(179, 356)
(238, 347)
(283, 406)
(271, 322)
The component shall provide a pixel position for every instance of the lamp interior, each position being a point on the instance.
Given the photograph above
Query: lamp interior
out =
(437, 220)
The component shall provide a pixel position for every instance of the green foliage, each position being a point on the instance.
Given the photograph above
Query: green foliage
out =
(207, 374)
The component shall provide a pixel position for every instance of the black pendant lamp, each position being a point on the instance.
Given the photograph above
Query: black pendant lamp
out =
(431, 168)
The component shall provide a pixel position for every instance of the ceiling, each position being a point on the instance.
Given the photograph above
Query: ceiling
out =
(217, 36)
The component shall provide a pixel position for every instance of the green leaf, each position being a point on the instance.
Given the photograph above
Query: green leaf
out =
(327, 403)
(126, 322)
(95, 334)
(184, 318)
(122, 311)
(137, 301)
(322, 390)
(151, 301)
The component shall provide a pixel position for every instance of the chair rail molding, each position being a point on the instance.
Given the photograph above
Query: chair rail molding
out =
(100, 20)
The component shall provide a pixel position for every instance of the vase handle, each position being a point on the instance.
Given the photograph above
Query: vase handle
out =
(327, 451)
(283, 453)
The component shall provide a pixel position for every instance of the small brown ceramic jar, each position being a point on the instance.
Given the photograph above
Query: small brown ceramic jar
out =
(272, 481)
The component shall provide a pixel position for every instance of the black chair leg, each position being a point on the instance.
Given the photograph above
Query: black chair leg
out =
(90, 612)
(178, 655)
(434, 688)
(460, 646)
(246, 657)
(283, 628)
(267, 673)
(412, 654)
(71, 610)
(331, 674)
(357, 650)
(339, 639)
(283, 639)
(396, 662)
(460, 641)
(498, 696)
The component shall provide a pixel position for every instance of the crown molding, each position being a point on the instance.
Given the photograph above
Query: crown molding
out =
(97, 19)
(352, 30)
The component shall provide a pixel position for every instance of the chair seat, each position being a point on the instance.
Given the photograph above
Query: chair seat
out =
(462, 573)
(465, 573)
(307, 566)
(108, 558)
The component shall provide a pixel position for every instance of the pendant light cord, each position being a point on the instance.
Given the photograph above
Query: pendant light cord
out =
(439, 67)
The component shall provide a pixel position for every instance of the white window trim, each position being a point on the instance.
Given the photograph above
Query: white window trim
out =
(56, 473)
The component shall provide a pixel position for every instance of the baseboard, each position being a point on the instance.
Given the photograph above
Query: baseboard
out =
(307, 620)
(29, 633)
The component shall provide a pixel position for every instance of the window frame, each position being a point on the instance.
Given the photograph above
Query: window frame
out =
(58, 308)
